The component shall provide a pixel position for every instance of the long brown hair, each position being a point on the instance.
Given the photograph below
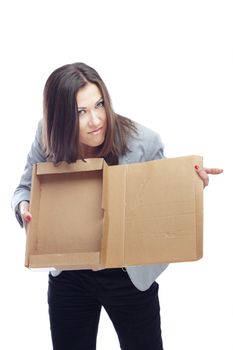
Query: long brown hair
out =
(60, 127)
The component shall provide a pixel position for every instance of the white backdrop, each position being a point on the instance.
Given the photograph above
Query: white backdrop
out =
(168, 65)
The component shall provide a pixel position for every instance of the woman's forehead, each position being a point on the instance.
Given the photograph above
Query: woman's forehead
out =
(88, 95)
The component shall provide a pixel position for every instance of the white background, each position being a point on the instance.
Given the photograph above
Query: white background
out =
(168, 65)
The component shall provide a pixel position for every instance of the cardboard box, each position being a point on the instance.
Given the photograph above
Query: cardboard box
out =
(89, 214)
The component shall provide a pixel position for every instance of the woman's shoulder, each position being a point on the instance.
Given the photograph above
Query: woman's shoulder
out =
(39, 128)
(37, 152)
(145, 144)
(145, 138)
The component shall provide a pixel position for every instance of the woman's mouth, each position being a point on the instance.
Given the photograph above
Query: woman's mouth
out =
(96, 131)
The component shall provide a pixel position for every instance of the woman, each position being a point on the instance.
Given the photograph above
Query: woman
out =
(79, 123)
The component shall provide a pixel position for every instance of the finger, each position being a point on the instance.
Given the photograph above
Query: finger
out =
(213, 171)
(203, 175)
(24, 211)
(27, 216)
(24, 206)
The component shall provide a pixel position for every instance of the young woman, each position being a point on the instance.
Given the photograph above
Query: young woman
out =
(79, 123)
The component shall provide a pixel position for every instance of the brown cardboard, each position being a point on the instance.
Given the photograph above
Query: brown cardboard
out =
(89, 214)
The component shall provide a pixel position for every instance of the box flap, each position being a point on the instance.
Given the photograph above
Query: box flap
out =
(154, 212)
(63, 167)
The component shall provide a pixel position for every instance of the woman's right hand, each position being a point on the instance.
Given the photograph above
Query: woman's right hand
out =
(24, 211)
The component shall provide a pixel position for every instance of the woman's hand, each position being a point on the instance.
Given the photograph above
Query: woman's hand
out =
(204, 173)
(24, 211)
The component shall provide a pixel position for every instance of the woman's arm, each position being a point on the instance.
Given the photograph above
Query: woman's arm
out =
(23, 190)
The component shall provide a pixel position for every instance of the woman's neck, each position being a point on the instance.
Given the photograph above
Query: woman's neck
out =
(89, 152)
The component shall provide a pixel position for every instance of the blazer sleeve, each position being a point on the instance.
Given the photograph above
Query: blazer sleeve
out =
(23, 190)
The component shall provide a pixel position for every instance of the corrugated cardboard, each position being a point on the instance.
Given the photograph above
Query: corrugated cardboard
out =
(89, 214)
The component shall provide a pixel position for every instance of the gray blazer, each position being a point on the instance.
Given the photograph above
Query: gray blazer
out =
(144, 146)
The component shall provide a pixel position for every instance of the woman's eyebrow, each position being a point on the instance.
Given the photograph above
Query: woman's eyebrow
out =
(99, 100)
(82, 108)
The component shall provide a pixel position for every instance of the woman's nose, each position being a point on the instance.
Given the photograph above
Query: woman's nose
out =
(94, 119)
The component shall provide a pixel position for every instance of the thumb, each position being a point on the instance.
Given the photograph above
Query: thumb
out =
(24, 211)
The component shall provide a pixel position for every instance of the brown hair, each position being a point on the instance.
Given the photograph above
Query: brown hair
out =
(60, 128)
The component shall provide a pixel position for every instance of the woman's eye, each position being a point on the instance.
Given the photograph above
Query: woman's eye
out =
(100, 104)
(81, 112)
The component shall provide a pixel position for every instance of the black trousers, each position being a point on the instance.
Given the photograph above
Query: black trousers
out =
(75, 299)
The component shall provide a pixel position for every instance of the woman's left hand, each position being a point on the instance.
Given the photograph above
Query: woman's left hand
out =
(204, 173)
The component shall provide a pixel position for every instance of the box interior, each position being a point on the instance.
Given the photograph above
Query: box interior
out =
(69, 216)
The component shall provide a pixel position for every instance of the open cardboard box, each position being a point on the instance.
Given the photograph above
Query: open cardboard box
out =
(89, 214)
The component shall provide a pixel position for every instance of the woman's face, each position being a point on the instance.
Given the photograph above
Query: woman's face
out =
(92, 118)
